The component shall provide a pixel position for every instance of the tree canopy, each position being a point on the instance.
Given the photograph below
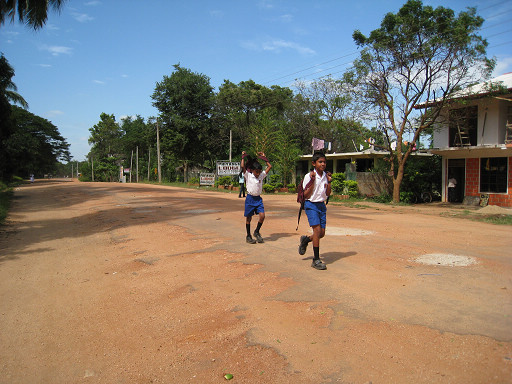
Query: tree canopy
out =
(417, 55)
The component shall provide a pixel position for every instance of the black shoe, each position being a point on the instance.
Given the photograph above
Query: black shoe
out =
(304, 241)
(317, 264)
(250, 240)
(258, 237)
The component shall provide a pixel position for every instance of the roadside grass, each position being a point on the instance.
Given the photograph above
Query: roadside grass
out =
(6, 193)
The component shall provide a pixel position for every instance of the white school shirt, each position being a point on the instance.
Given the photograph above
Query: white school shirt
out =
(253, 184)
(319, 192)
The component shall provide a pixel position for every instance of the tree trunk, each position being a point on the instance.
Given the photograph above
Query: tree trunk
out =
(397, 181)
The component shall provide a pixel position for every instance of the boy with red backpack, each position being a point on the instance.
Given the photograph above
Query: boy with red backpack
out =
(317, 188)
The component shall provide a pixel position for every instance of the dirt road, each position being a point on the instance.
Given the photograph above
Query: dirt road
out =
(123, 283)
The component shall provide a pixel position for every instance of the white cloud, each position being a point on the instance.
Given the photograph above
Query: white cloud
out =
(56, 50)
(503, 65)
(124, 76)
(82, 17)
(93, 3)
(44, 65)
(286, 18)
(277, 46)
(266, 4)
(99, 82)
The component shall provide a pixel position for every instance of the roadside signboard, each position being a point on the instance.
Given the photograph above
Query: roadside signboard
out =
(228, 168)
(206, 178)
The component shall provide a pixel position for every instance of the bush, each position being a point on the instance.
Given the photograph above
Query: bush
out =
(350, 188)
(291, 188)
(278, 185)
(407, 197)
(337, 182)
(223, 180)
(274, 179)
(193, 180)
(383, 198)
(269, 188)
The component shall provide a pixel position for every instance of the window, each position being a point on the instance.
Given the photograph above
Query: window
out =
(463, 126)
(493, 174)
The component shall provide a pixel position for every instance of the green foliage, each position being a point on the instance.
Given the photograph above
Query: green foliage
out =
(194, 180)
(185, 101)
(274, 179)
(383, 198)
(292, 188)
(269, 188)
(35, 144)
(32, 13)
(407, 197)
(223, 180)
(337, 183)
(350, 188)
(105, 137)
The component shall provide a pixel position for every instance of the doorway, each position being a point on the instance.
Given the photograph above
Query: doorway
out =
(456, 177)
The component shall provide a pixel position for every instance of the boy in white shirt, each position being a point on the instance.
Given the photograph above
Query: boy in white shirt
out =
(254, 176)
(316, 194)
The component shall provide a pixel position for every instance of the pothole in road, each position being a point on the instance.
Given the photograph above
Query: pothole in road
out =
(446, 259)
(337, 231)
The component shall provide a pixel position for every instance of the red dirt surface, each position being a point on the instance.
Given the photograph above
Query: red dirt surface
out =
(126, 283)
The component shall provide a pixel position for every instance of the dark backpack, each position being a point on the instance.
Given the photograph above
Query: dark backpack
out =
(301, 199)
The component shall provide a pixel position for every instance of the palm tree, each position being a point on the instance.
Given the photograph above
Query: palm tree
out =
(7, 87)
(34, 13)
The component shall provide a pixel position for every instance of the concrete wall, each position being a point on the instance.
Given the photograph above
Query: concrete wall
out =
(373, 184)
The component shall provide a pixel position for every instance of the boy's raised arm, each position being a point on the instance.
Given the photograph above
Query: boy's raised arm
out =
(242, 163)
(262, 156)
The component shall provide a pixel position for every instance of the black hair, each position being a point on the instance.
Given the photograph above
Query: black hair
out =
(318, 155)
(252, 163)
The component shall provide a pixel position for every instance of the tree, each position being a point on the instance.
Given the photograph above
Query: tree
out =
(418, 55)
(34, 13)
(35, 146)
(8, 95)
(105, 137)
(185, 101)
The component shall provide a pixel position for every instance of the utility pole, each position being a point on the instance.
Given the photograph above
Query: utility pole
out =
(149, 160)
(72, 170)
(92, 168)
(230, 143)
(158, 152)
(131, 166)
(77, 169)
(137, 163)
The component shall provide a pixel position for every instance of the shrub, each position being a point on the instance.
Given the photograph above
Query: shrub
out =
(269, 188)
(407, 197)
(193, 180)
(274, 179)
(278, 185)
(223, 180)
(350, 188)
(291, 188)
(383, 198)
(337, 182)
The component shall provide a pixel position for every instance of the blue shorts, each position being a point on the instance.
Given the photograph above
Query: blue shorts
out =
(316, 213)
(253, 205)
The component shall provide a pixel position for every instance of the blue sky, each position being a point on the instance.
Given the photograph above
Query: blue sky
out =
(106, 56)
